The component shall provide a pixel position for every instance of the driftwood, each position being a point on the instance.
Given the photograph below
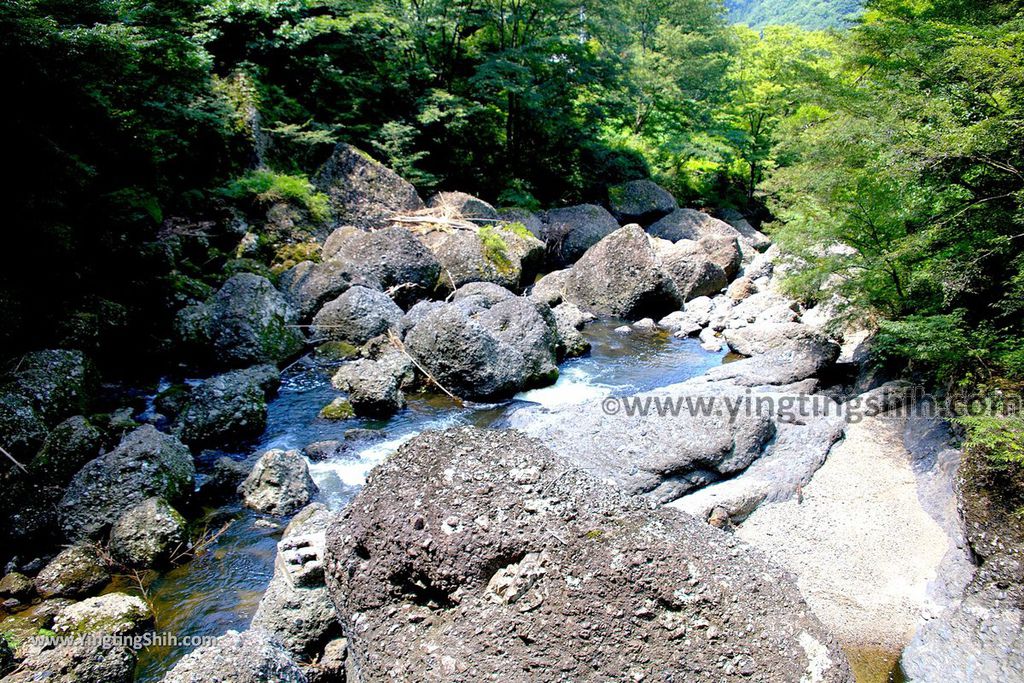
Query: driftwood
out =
(397, 343)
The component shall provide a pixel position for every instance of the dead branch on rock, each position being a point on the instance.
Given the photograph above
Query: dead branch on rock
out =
(397, 343)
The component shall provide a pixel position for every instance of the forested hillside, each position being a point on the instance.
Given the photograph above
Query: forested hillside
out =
(808, 14)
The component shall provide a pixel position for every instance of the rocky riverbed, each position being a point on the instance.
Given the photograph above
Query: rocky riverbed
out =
(431, 454)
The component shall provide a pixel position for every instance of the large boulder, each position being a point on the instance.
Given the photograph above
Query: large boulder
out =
(246, 322)
(279, 483)
(146, 463)
(296, 607)
(506, 255)
(75, 572)
(640, 201)
(70, 445)
(570, 231)
(478, 555)
(356, 317)
(229, 408)
(362, 192)
(622, 276)
(524, 217)
(56, 383)
(148, 534)
(389, 259)
(462, 205)
(751, 236)
(483, 348)
(690, 267)
(759, 338)
(719, 239)
(22, 429)
(253, 656)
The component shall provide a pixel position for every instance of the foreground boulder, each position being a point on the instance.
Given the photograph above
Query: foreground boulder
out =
(622, 276)
(252, 656)
(364, 193)
(486, 344)
(146, 463)
(570, 231)
(640, 201)
(388, 259)
(110, 614)
(279, 483)
(478, 555)
(229, 408)
(148, 534)
(246, 322)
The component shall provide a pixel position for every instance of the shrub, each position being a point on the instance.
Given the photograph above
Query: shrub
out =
(267, 186)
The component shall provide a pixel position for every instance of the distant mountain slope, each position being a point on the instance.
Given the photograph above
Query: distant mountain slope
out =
(811, 14)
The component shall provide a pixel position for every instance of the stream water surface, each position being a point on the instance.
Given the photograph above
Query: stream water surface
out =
(220, 589)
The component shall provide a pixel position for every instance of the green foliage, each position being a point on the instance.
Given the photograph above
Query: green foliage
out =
(495, 248)
(267, 187)
(807, 14)
(999, 438)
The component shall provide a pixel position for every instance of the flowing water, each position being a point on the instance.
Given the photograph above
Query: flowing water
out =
(220, 589)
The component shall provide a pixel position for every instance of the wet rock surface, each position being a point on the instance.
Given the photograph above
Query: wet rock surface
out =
(478, 554)
(229, 408)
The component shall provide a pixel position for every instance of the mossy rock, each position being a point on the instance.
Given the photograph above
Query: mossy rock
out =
(338, 409)
(247, 265)
(172, 400)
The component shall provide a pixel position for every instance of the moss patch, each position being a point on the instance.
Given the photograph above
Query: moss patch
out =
(495, 249)
(336, 351)
(338, 409)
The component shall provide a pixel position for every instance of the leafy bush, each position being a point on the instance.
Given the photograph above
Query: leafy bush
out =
(938, 343)
(267, 186)
(997, 437)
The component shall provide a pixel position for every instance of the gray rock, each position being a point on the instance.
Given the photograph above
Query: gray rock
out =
(357, 316)
(741, 288)
(76, 660)
(570, 231)
(786, 364)
(719, 239)
(640, 201)
(56, 383)
(548, 289)
(691, 268)
(115, 614)
(146, 463)
(391, 258)
(375, 386)
(70, 445)
(569, 320)
(494, 253)
(148, 534)
(652, 441)
(246, 322)
(482, 349)
(22, 429)
(524, 217)
(753, 237)
(279, 483)
(364, 193)
(17, 586)
(228, 409)
(805, 433)
(253, 656)
(761, 338)
(621, 276)
(296, 607)
(501, 563)
(464, 206)
(75, 572)
(680, 323)
(979, 640)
